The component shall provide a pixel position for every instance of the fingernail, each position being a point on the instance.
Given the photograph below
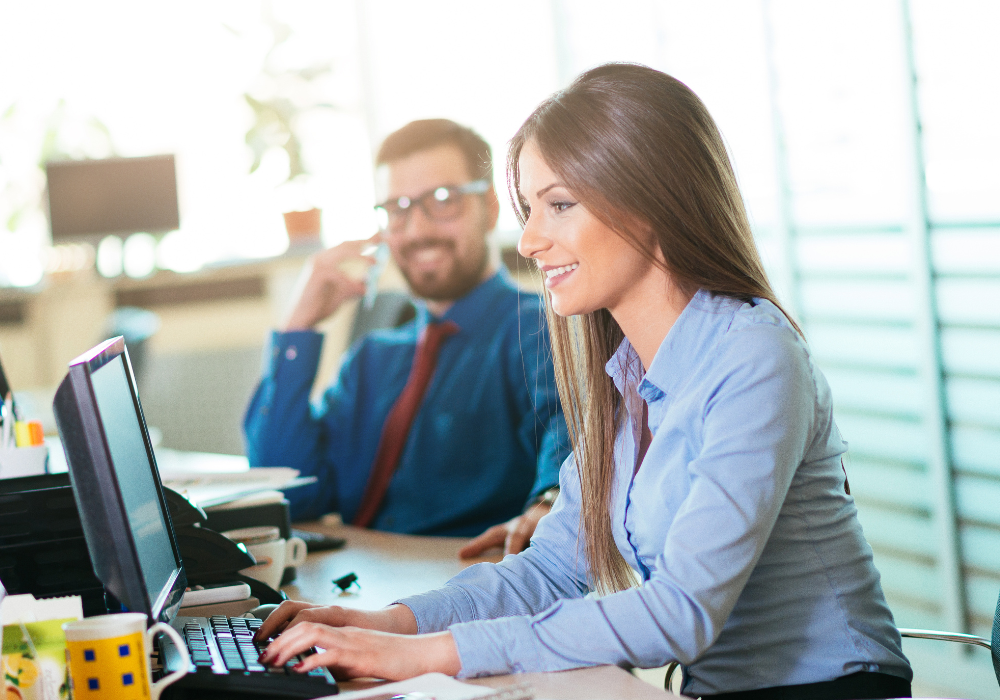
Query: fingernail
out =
(298, 667)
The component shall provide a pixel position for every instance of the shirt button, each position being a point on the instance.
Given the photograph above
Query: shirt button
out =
(291, 353)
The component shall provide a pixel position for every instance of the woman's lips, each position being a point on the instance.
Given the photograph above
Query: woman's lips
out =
(555, 275)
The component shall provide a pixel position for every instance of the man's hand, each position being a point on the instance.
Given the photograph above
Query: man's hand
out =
(327, 286)
(513, 535)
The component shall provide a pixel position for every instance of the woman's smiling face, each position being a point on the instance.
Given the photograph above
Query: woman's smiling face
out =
(587, 266)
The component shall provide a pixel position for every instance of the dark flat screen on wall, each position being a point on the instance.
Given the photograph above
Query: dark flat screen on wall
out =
(92, 198)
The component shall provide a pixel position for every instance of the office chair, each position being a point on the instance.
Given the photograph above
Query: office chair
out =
(992, 644)
(391, 309)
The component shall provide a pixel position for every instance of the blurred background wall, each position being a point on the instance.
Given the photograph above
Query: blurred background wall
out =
(863, 133)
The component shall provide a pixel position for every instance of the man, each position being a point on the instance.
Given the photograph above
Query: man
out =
(449, 424)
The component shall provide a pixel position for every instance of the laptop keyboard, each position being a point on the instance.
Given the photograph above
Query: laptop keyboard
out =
(224, 657)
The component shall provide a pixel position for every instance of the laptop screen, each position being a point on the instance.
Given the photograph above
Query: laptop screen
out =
(135, 474)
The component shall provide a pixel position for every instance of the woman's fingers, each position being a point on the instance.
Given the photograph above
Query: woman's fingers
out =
(347, 650)
(279, 618)
(351, 652)
(296, 640)
(305, 621)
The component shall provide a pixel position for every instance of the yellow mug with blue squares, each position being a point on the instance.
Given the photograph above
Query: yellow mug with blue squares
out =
(108, 657)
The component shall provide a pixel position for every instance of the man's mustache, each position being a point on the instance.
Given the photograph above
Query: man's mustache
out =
(416, 246)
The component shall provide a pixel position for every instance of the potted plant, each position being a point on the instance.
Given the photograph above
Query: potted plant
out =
(278, 98)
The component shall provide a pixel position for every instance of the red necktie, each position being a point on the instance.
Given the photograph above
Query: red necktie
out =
(397, 424)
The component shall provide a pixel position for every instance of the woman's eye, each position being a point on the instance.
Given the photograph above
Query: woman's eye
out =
(562, 206)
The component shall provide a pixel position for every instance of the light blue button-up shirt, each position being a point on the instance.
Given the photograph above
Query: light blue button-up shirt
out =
(755, 572)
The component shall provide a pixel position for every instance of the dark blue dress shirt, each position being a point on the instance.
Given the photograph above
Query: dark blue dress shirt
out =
(489, 435)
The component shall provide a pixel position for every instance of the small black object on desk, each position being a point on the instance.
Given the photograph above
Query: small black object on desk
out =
(345, 582)
(317, 541)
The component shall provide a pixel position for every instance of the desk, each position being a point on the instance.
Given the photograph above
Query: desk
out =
(392, 566)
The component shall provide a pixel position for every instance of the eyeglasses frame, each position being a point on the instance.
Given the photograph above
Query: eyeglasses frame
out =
(475, 187)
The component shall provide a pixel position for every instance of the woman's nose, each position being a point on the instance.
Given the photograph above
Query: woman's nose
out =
(532, 242)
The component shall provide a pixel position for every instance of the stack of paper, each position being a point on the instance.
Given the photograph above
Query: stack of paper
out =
(211, 479)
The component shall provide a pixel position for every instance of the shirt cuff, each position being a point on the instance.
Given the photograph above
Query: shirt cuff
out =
(495, 647)
(436, 610)
(298, 348)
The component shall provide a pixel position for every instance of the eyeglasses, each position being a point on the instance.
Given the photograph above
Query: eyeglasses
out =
(440, 204)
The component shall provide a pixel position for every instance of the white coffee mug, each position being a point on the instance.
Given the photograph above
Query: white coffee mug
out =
(273, 554)
(108, 657)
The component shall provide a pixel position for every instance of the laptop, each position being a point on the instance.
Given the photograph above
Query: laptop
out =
(131, 539)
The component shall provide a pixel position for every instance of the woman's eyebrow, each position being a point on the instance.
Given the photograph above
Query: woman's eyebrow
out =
(546, 189)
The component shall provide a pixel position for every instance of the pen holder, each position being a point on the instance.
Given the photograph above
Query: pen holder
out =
(23, 461)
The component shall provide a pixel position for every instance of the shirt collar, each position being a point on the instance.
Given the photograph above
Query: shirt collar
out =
(697, 329)
(467, 312)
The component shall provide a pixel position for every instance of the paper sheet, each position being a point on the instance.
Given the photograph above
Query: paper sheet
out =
(437, 686)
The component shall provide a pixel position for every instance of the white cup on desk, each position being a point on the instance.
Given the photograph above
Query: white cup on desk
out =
(272, 552)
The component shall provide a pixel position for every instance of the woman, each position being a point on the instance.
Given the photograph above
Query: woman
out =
(705, 501)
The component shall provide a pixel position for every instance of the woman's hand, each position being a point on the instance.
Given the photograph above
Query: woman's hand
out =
(397, 619)
(351, 652)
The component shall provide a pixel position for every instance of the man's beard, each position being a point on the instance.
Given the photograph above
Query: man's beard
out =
(462, 278)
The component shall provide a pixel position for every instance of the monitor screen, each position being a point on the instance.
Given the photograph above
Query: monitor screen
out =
(116, 484)
(94, 198)
(130, 460)
(4, 386)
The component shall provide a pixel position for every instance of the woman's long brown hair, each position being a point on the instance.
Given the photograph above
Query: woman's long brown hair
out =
(641, 152)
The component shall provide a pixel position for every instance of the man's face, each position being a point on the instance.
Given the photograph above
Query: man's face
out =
(441, 260)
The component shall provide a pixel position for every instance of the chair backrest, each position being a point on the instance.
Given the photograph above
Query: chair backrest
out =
(391, 309)
(995, 641)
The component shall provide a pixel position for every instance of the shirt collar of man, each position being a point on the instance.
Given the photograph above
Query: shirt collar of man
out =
(467, 312)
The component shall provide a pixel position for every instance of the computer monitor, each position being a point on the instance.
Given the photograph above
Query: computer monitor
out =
(116, 483)
(4, 385)
(89, 199)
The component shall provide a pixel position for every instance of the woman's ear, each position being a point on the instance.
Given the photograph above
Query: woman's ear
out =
(641, 236)
(655, 247)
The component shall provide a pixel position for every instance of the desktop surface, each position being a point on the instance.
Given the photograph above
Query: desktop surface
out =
(391, 566)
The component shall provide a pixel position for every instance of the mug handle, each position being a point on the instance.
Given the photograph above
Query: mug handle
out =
(160, 685)
(295, 552)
